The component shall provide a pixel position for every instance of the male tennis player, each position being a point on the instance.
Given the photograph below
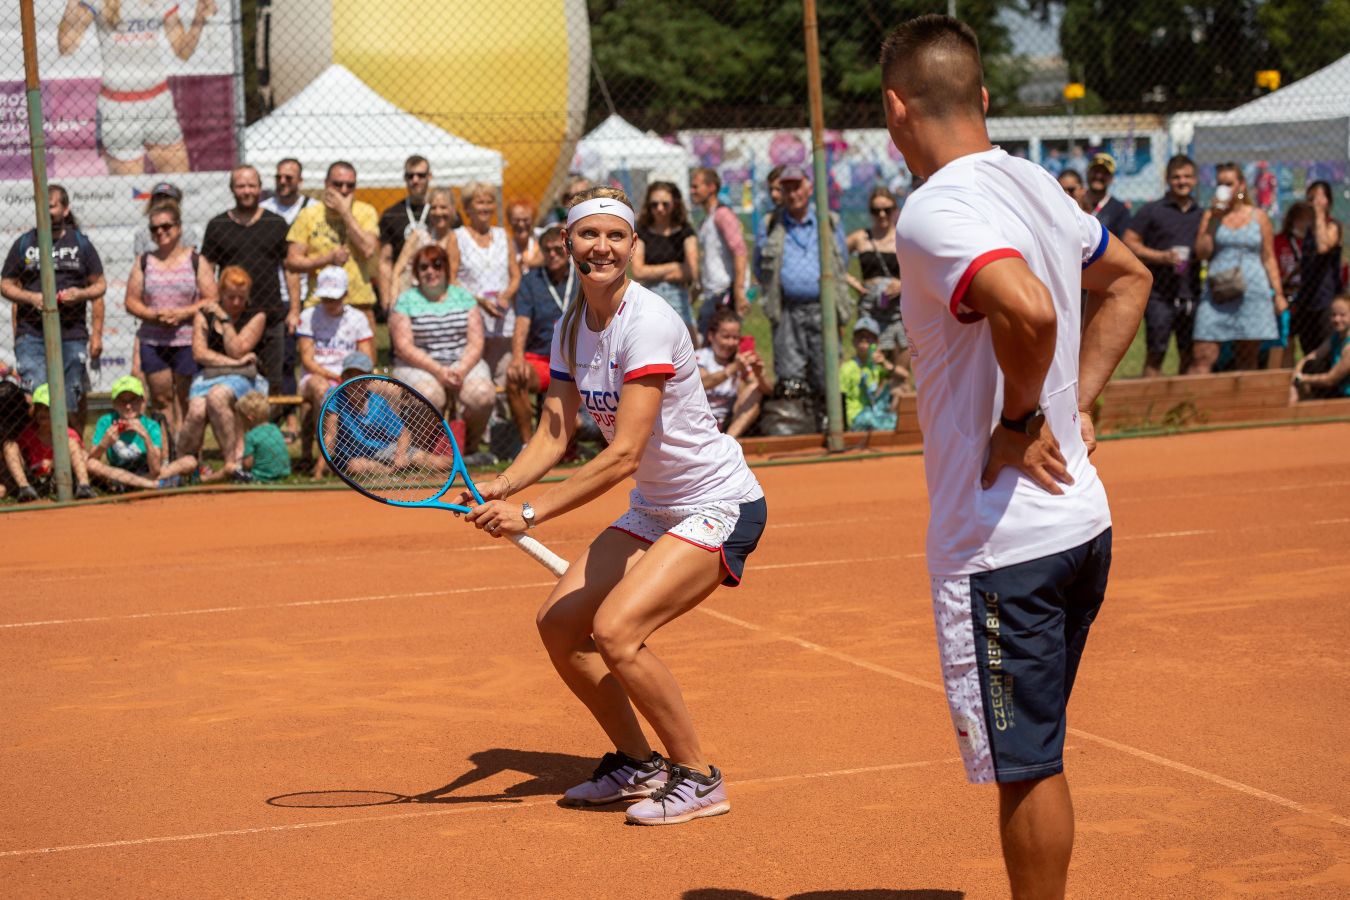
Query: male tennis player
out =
(1007, 368)
(697, 513)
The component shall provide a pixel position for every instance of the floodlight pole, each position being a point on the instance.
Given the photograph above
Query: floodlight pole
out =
(51, 320)
(829, 278)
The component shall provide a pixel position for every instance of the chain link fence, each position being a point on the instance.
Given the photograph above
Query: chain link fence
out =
(517, 94)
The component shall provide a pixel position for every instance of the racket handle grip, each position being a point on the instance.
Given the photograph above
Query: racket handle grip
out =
(540, 554)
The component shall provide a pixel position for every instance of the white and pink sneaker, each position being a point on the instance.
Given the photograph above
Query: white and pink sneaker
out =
(686, 795)
(618, 777)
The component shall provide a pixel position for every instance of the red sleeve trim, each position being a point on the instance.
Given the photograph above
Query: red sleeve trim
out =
(968, 276)
(665, 369)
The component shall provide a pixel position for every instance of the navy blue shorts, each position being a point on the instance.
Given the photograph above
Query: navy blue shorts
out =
(158, 357)
(730, 529)
(1011, 641)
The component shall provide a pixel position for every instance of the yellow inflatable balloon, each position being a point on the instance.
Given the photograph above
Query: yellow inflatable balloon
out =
(512, 75)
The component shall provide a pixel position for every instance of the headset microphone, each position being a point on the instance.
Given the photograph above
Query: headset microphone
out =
(582, 266)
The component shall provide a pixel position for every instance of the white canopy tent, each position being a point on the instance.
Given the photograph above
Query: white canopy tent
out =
(618, 150)
(1309, 121)
(338, 117)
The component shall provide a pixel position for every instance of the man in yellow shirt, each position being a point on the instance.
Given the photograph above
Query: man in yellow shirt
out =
(341, 231)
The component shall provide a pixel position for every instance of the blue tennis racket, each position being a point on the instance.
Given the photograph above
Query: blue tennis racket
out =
(386, 441)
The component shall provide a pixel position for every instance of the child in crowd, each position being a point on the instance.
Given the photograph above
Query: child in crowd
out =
(265, 454)
(13, 420)
(31, 455)
(1325, 372)
(129, 449)
(866, 381)
(733, 376)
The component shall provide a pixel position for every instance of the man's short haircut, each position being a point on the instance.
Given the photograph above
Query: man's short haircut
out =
(933, 62)
(293, 161)
(709, 175)
(416, 160)
(721, 316)
(551, 233)
(1070, 173)
(340, 164)
(245, 167)
(1180, 161)
(774, 174)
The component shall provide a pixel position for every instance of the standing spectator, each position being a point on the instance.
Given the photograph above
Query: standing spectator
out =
(436, 329)
(254, 239)
(733, 375)
(1321, 276)
(402, 220)
(442, 220)
(721, 251)
(30, 457)
(1072, 183)
(520, 215)
(80, 286)
(327, 334)
(1236, 303)
(340, 231)
(1097, 198)
(225, 337)
(880, 286)
(1162, 235)
(159, 193)
(165, 289)
(575, 184)
(665, 259)
(287, 202)
(543, 296)
(1289, 246)
(774, 182)
(129, 449)
(265, 455)
(488, 270)
(1325, 372)
(866, 381)
(788, 264)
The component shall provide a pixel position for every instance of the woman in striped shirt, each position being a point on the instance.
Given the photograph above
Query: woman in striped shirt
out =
(437, 333)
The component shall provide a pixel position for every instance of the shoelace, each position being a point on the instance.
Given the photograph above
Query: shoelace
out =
(676, 777)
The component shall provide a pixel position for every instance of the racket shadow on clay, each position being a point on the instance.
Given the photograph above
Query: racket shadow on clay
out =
(546, 774)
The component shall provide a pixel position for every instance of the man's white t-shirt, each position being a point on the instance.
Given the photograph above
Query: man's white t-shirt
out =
(974, 211)
(688, 460)
(334, 336)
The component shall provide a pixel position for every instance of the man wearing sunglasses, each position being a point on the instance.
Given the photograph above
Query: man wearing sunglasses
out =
(403, 218)
(340, 231)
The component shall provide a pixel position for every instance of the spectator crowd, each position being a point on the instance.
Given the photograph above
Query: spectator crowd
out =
(245, 327)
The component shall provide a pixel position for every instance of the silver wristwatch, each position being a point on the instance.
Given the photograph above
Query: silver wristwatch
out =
(527, 513)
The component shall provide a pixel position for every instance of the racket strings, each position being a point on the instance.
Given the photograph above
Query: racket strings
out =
(387, 440)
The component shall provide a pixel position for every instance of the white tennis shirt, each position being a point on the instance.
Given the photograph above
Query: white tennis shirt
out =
(974, 211)
(688, 460)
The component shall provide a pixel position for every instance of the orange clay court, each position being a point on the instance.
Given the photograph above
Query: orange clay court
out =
(172, 666)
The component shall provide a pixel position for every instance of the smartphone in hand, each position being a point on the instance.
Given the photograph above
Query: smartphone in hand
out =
(747, 344)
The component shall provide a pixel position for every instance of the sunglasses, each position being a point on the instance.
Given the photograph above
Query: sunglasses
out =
(415, 176)
(431, 266)
(343, 185)
(882, 210)
(163, 228)
(660, 204)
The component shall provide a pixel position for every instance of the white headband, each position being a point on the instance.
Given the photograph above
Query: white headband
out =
(601, 206)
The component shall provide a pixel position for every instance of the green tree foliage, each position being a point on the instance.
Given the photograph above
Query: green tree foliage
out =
(681, 63)
(1193, 54)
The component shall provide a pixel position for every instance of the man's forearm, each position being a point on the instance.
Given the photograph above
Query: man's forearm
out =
(1111, 321)
(1024, 335)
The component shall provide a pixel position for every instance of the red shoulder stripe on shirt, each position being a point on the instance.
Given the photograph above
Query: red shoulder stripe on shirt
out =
(665, 369)
(968, 276)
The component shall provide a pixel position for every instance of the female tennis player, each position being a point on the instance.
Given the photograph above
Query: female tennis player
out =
(697, 513)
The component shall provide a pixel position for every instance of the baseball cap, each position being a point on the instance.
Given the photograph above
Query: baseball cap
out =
(1105, 160)
(866, 323)
(42, 395)
(357, 361)
(792, 173)
(331, 284)
(127, 384)
(164, 189)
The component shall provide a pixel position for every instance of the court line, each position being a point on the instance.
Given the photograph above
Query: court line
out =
(1136, 752)
(455, 810)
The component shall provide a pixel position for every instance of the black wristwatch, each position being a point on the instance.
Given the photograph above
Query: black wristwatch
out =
(1019, 425)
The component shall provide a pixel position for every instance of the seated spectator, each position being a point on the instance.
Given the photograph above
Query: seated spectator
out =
(167, 285)
(225, 338)
(442, 220)
(326, 335)
(733, 374)
(436, 329)
(14, 417)
(30, 457)
(866, 381)
(1325, 372)
(265, 455)
(129, 449)
(544, 293)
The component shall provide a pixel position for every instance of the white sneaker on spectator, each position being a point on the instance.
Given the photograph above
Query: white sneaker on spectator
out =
(686, 795)
(618, 777)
